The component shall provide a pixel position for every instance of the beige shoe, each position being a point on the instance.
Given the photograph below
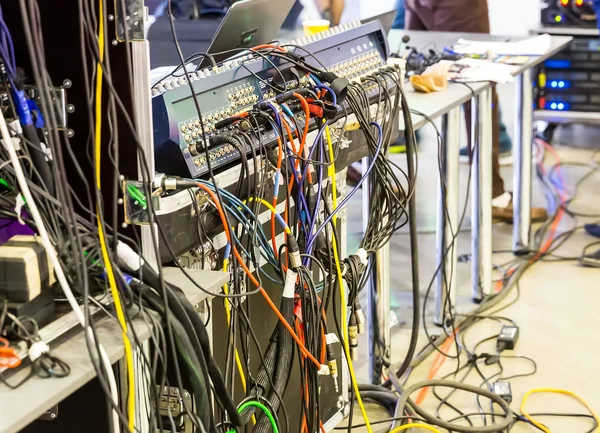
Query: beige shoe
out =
(505, 214)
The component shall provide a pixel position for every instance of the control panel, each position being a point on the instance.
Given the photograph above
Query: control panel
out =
(350, 51)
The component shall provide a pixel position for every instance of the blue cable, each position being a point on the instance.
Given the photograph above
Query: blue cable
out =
(331, 92)
(240, 217)
(319, 189)
(302, 201)
(358, 185)
(7, 49)
(275, 112)
(315, 79)
(287, 110)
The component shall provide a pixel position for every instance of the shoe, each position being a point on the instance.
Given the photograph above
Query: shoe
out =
(504, 158)
(398, 146)
(463, 156)
(505, 214)
(591, 260)
(397, 149)
(593, 229)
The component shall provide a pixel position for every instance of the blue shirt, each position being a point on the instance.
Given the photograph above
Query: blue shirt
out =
(400, 14)
(596, 6)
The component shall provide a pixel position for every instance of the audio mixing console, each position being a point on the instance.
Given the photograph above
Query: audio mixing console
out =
(350, 51)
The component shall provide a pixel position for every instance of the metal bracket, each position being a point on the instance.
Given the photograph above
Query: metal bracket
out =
(50, 415)
(172, 405)
(131, 20)
(59, 102)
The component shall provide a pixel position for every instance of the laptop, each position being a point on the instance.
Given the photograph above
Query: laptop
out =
(247, 23)
(386, 19)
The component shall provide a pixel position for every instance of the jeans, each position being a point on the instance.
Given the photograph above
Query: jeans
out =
(505, 144)
(400, 14)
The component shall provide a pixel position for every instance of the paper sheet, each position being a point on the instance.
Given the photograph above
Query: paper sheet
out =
(535, 46)
(483, 70)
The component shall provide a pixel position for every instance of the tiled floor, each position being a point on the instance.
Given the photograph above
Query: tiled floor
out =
(558, 307)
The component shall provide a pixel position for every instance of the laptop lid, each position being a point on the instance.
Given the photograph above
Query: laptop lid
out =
(386, 19)
(248, 23)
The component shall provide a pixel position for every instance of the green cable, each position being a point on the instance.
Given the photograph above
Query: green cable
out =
(136, 194)
(264, 408)
(133, 191)
(5, 184)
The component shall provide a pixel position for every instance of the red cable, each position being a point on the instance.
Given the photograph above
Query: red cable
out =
(276, 47)
(252, 278)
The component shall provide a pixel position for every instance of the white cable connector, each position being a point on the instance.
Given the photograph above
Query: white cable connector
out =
(129, 257)
(60, 275)
(37, 349)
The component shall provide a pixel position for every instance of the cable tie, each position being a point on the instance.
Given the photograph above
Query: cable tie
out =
(15, 128)
(289, 287)
(344, 269)
(324, 370)
(19, 203)
(15, 141)
(363, 256)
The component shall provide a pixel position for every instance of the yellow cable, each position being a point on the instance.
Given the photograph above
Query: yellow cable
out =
(555, 391)
(415, 425)
(238, 361)
(331, 174)
(271, 208)
(107, 263)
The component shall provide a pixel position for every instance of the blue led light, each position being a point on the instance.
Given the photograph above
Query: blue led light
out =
(560, 105)
(561, 84)
(553, 84)
(557, 63)
(553, 105)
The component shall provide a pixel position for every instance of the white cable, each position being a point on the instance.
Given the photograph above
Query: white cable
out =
(60, 275)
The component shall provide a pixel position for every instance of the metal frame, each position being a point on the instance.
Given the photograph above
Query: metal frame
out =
(378, 292)
(523, 165)
(447, 217)
(140, 52)
(481, 195)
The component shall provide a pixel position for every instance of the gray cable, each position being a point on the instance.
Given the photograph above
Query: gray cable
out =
(432, 419)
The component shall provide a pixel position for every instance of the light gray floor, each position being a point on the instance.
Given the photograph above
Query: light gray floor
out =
(558, 307)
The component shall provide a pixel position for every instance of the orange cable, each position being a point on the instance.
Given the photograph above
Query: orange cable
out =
(276, 47)
(437, 364)
(252, 278)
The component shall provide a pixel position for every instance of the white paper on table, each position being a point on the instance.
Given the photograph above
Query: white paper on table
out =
(536, 46)
(483, 70)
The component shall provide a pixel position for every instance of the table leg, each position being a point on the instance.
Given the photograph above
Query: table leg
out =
(447, 217)
(481, 196)
(378, 300)
(522, 167)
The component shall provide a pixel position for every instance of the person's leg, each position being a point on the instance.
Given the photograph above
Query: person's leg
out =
(465, 16)
(505, 145)
(415, 16)
(497, 181)
(291, 21)
(331, 10)
(505, 141)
